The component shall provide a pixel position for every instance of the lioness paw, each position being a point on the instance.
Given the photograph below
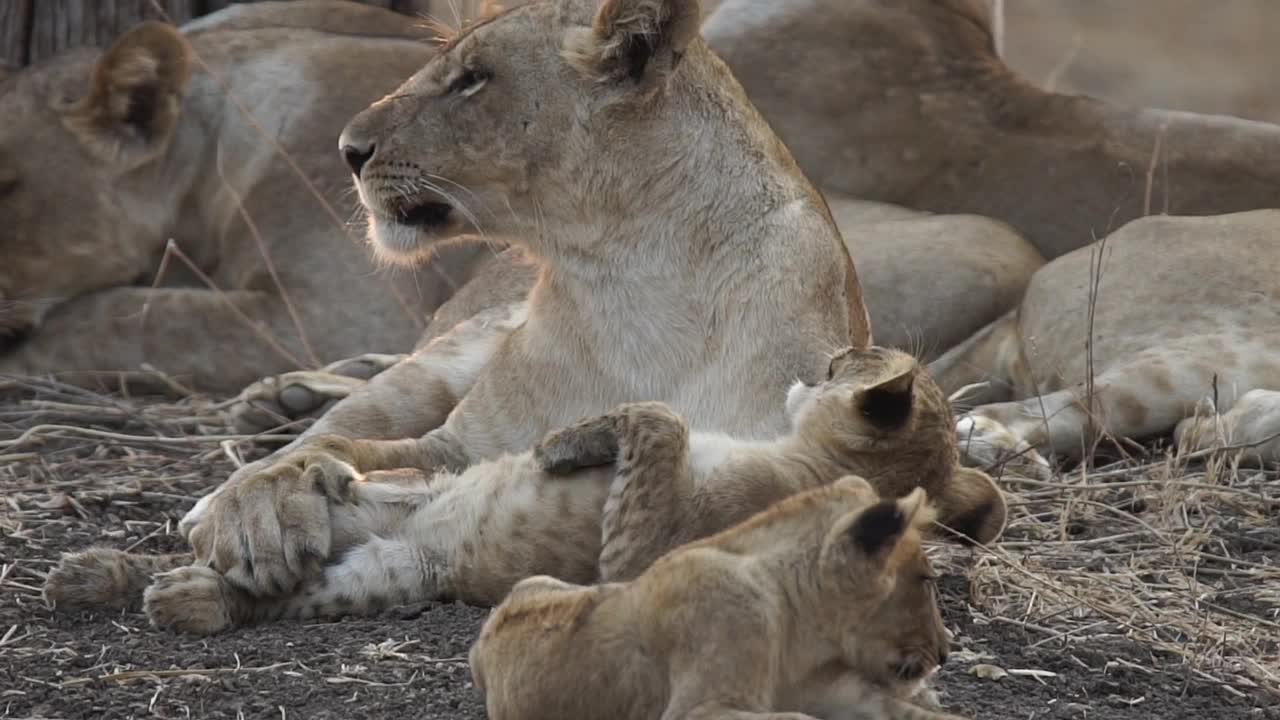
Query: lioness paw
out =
(987, 443)
(269, 530)
(192, 599)
(275, 401)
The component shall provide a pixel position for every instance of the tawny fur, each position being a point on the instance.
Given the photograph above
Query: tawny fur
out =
(907, 102)
(879, 416)
(1164, 313)
(684, 258)
(820, 606)
(977, 269)
(146, 144)
(472, 535)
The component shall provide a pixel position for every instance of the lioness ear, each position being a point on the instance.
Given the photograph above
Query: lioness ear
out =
(971, 504)
(887, 404)
(135, 95)
(640, 41)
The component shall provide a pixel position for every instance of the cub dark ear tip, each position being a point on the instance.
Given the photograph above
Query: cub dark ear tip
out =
(878, 525)
(887, 409)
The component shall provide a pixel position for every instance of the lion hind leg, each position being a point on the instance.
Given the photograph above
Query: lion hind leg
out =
(653, 480)
(103, 577)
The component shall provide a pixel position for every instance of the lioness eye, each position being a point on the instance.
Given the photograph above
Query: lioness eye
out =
(469, 82)
(831, 367)
(7, 185)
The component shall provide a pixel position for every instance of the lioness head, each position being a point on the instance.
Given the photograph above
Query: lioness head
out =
(556, 112)
(880, 412)
(75, 129)
(879, 588)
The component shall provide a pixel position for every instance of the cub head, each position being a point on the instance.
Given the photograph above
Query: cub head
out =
(878, 588)
(544, 117)
(76, 127)
(882, 416)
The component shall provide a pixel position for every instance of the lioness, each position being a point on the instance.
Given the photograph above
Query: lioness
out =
(471, 536)
(1125, 338)
(175, 136)
(821, 606)
(907, 102)
(930, 282)
(684, 256)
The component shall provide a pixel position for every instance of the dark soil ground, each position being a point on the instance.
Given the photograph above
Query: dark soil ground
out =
(71, 491)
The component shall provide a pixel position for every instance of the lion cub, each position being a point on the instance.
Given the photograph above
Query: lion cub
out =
(823, 605)
(471, 536)
(879, 415)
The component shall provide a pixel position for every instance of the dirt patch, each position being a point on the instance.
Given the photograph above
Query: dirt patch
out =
(1060, 648)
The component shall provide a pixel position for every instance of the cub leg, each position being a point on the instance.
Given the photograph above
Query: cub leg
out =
(105, 577)
(644, 515)
(851, 698)
(372, 575)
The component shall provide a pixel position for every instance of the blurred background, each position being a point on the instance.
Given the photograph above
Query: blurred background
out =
(1214, 56)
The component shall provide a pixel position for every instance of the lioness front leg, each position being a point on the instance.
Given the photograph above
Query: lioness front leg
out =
(280, 399)
(238, 528)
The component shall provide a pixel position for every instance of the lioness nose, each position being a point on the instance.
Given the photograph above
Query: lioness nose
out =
(356, 156)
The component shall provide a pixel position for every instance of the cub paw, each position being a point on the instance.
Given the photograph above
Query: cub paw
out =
(95, 577)
(588, 443)
(193, 599)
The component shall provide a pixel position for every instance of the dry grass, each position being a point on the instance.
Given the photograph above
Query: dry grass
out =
(1178, 553)
(66, 450)
(1182, 557)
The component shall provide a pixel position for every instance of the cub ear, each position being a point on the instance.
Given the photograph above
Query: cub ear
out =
(861, 542)
(135, 95)
(887, 404)
(638, 41)
(878, 529)
(972, 505)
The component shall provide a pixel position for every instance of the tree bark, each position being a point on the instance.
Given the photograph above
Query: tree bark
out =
(15, 21)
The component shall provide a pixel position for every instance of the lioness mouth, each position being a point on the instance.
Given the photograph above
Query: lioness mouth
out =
(432, 214)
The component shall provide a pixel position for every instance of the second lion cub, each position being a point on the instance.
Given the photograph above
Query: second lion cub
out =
(878, 415)
(823, 604)
(473, 535)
